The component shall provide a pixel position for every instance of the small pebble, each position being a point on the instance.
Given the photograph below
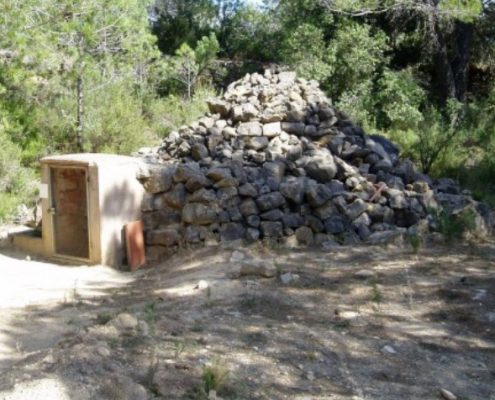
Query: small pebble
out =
(388, 349)
(447, 395)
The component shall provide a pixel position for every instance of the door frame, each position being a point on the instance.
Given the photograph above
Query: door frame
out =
(51, 201)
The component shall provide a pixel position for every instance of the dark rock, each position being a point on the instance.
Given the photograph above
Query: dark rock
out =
(293, 189)
(269, 201)
(232, 231)
(272, 215)
(202, 196)
(253, 221)
(252, 234)
(248, 190)
(176, 198)
(292, 220)
(305, 236)
(248, 207)
(355, 209)
(336, 224)
(217, 174)
(196, 182)
(199, 151)
(163, 237)
(317, 194)
(158, 179)
(295, 128)
(272, 229)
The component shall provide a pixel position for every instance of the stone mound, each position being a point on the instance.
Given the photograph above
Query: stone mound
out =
(274, 159)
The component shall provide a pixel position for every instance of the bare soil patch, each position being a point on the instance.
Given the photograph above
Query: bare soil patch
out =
(353, 323)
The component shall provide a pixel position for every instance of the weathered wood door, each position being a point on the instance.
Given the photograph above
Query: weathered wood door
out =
(69, 211)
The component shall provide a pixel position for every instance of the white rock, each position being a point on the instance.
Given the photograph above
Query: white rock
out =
(125, 321)
(388, 349)
(202, 284)
(447, 395)
(288, 278)
(364, 274)
(237, 256)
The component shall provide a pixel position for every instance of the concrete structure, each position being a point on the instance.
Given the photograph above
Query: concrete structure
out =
(86, 199)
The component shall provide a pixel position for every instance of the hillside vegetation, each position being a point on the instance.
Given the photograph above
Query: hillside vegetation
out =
(112, 76)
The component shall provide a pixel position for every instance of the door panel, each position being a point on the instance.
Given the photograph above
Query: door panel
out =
(70, 211)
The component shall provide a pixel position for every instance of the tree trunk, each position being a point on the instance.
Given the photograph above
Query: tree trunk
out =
(460, 64)
(80, 114)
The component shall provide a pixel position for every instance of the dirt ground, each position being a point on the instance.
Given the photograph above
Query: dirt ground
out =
(352, 323)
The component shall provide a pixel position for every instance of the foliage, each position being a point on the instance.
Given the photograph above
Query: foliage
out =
(453, 227)
(214, 376)
(189, 65)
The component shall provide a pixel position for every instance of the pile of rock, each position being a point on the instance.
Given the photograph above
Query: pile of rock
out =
(274, 159)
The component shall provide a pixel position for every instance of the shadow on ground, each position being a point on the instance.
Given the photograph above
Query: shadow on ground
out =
(355, 323)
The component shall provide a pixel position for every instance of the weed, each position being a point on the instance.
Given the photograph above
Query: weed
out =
(376, 294)
(197, 327)
(150, 315)
(454, 226)
(103, 318)
(214, 376)
(249, 301)
(151, 372)
(416, 242)
(179, 347)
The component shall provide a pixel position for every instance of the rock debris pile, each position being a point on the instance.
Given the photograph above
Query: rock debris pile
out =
(274, 159)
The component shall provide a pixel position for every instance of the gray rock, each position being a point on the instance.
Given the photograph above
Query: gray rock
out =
(250, 129)
(289, 278)
(257, 143)
(261, 268)
(321, 168)
(386, 237)
(217, 106)
(244, 112)
(270, 201)
(397, 199)
(199, 214)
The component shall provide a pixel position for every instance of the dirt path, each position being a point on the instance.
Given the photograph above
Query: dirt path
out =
(356, 323)
(40, 286)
